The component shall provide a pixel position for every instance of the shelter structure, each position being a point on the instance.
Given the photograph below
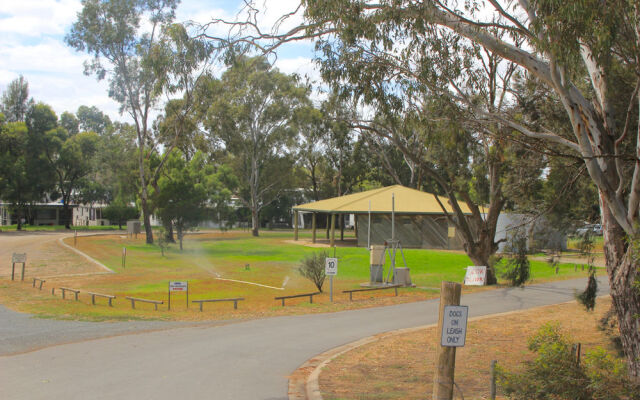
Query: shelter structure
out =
(420, 221)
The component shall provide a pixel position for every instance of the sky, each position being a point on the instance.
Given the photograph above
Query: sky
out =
(32, 45)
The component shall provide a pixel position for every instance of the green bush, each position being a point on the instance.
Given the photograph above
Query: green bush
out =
(312, 268)
(556, 373)
(517, 269)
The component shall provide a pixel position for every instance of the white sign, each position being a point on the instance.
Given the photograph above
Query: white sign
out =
(331, 266)
(19, 258)
(475, 276)
(454, 326)
(178, 286)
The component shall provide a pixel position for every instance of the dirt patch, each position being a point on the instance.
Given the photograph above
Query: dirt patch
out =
(45, 255)
(401, 366)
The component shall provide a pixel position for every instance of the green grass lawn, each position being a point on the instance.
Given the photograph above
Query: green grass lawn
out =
(235, 264)
(270, 260)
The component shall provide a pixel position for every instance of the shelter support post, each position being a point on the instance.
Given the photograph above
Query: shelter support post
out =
(341, 226)
(313, 228)
(328, 225)
(295, 225)
(333, 230)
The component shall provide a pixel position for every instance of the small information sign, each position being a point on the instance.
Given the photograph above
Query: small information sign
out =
(19, 258)
(331, 266)
(475, 276)
(178, 286)
(454, 326)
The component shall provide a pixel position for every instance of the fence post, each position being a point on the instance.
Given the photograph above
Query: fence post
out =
(445, 356)
(492, 394)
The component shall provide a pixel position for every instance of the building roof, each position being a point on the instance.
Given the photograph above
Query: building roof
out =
(407, 201)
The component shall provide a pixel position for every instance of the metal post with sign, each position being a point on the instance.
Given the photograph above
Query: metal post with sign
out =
(18, 258)
(178, 286)
(331, 269)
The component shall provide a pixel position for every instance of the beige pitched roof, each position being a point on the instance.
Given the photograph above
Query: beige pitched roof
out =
(407, 201)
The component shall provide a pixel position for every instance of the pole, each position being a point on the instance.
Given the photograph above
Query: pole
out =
(331, 288)
(492, 392)
(393, 216)
(369, 228)
(169, 295)
(187, 294)
(393, 235)
(13, 270)
(295, 227)
(445, 356)
(22, 277)
(313, 227)
(75, 237)
(333, 230)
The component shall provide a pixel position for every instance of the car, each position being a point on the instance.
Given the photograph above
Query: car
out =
(592, 229)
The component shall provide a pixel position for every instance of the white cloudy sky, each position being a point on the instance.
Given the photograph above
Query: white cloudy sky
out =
(32, 44)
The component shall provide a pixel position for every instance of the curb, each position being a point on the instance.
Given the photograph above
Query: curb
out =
(304, 381)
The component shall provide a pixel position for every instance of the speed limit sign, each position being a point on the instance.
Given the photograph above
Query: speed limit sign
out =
(331, 266)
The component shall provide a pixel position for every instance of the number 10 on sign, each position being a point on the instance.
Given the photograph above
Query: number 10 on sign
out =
(331, 269)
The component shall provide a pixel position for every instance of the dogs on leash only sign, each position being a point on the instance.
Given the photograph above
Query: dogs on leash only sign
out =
(454, 326)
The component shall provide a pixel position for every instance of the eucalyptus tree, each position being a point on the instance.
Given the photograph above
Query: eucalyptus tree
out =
(145, 64)
(187, 189)
(70, 123)
(69, 158)
(92, 119)
(250, 111)
(15, 101)
(578, 50)
(21, 182)
(121, 36)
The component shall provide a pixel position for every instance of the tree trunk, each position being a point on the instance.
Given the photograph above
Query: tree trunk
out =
(169, 232)
(622, 268)
(19, 219)
(479, 255)
(146, 217)
(255, 224)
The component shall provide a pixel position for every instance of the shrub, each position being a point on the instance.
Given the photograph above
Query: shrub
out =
(517, 269)
(312, 268)
(556, 373)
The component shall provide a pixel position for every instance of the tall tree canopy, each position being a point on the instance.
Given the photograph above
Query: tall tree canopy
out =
(15, 100)
(114, 33)
(251, 110)
(580, 51)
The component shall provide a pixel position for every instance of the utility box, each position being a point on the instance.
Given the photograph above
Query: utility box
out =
(402, 277)
(377, 255)
(376, 262)
(133, 227)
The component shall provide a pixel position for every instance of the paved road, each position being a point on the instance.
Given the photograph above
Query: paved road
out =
(248, 360)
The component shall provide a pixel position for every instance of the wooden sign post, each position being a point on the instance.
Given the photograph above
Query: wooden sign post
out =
(445, 355)
(18, 258)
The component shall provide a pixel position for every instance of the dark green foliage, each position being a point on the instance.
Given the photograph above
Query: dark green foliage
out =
(588, 297)
(312, 268)
(120, 213)
(517, 269)
(557, 373)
